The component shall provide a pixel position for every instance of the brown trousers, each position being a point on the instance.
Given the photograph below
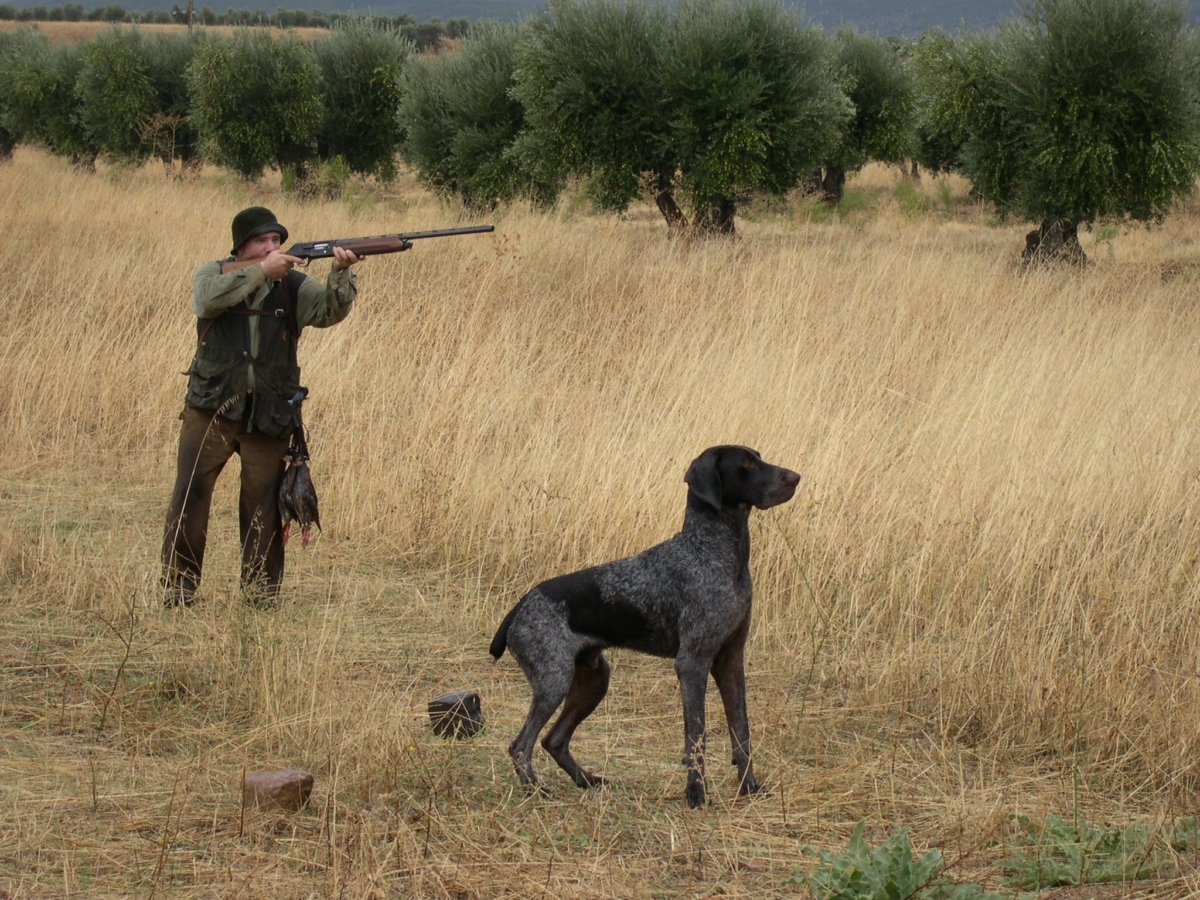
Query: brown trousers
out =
(206, 442)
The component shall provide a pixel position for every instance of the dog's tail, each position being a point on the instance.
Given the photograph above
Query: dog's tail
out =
(500, 641)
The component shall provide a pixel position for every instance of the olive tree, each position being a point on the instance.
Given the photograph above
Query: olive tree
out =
(256, 102)
(1083, 111)
(881, 91)
(9, 136)
(169, 131)
(115, 95)
(461, 122)
(754, 103)
(40, 102)
(361, 66)
(589, 78)
(940, 81)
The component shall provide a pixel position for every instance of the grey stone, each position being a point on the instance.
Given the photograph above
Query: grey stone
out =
(285, 789)
(456, 715)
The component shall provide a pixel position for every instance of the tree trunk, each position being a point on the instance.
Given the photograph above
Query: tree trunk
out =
(1057, 240)
(833, 184)
(85, 160)
(717, 219)
(665, 200)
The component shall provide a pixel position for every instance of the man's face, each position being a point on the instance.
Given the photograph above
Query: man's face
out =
(258, 246)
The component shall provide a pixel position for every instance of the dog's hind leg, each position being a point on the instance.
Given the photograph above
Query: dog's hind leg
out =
(549, 684)
(588, 688)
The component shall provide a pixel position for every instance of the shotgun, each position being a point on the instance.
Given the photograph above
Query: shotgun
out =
(374, 246)
(360, 247)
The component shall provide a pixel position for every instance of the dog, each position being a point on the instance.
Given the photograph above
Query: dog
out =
(686, 599)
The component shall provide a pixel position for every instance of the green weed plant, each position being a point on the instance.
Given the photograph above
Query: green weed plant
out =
(887, 872)
(1059, 853)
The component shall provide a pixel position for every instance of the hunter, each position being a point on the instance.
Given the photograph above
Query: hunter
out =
(250, 311)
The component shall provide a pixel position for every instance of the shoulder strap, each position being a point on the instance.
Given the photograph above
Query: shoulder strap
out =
(289, 307)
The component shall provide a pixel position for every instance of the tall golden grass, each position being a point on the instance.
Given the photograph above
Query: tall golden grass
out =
(75, 32)
(983, 599)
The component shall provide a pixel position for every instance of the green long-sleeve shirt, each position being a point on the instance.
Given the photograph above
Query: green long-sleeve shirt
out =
(319, 305)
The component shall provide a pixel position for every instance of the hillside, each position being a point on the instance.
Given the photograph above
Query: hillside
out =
(883, 17)
(900, 17)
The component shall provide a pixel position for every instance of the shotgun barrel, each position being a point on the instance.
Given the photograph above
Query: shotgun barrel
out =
(374, 246)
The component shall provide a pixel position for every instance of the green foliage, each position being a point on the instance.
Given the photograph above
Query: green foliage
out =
(1186, 835)
(1085, 110)
(754, 102)
(882, 93)
(589, 81)
(1065, 853)
(943, 88)
(964, 121)
(328, 179)
(256, 101)
(40, 103)
(115, 94)
(361, 67)
(887, 872)
(9, 138)
(1104, 95)
(461, 122)
(910, 199)
(169, 131)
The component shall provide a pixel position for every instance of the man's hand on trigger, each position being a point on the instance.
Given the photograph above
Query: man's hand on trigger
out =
(277, 264)
(343, 259)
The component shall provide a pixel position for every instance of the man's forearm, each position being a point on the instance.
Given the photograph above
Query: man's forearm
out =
(322, 304)
(214, 292)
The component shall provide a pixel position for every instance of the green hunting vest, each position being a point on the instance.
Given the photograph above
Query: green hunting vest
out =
(226, 378)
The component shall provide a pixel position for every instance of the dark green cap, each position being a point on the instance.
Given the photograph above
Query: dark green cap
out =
(252, 222)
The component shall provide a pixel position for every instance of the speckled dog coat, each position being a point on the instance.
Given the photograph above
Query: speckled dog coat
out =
(687, 598)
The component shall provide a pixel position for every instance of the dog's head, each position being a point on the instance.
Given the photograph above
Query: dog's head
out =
(733, 476)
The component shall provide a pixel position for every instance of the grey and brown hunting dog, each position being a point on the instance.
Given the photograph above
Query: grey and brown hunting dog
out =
(687, 598)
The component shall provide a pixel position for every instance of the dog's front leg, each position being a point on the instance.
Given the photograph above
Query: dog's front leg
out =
(693, 684)
(730, 674)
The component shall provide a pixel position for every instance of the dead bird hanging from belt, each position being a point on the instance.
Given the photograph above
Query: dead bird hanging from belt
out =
(297, 495)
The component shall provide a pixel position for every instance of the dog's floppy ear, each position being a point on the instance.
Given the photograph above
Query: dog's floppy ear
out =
(704, 480)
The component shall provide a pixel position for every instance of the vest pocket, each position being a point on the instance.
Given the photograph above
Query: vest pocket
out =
(209, 383)
(273, 415)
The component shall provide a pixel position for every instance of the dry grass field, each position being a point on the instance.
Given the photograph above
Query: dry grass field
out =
(74, 32)
(982, 601)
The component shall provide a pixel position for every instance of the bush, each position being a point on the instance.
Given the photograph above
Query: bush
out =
(362, 66)
(256, 102)
(461, 121)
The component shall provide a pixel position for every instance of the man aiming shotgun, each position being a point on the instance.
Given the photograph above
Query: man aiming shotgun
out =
(243, 383)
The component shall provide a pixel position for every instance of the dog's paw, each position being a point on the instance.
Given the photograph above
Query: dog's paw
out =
(751, 786)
